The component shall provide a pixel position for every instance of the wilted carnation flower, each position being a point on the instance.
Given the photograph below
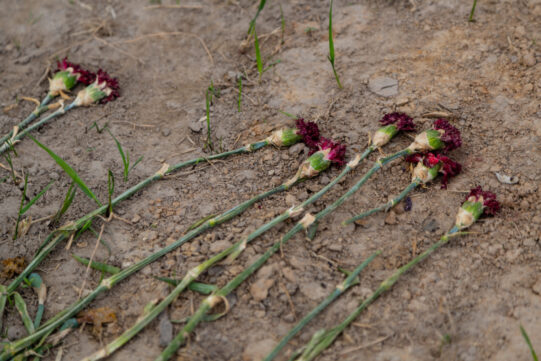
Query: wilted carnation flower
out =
(429, 165)
(67, 76)
(103, 89)
(443, 136)
(308, 132)
(477, 203)
(393, 123)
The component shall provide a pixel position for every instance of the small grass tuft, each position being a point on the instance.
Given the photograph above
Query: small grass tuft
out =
(125, 156)
(258, 59)
(529, 343)
(331, 56)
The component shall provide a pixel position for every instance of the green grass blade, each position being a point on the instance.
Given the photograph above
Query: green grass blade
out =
(199, 287)
(272, 64)
(136, 162)
(110, 191)
(472, 12)
(239, 101)
(208, 100)
(99, 266)
(331, 42)
(282, 23)
(124, 156)
(36, 198)
(258, 59)
(252, 22)
(70, 195)
(23, 311)
(69, 171)
(530, 346)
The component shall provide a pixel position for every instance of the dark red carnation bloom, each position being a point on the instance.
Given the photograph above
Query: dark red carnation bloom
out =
(337, 153)
(449, 168)
(404, 121)
(490, 204)
(85, 77)
(451, 135)
(309, 132)
(110, 83)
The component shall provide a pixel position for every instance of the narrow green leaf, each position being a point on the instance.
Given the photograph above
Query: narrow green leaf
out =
(331, 42)
(110, 191)
(23, 311)
(69, 171)
(99, 266)
(136, 162)
(258, 55)
(35, 199)
(252, 22)
(530, 346)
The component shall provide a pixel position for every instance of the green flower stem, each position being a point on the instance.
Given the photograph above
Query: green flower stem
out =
(61, 234)
(385, 206)
(192, 275)
(326, 338)
(207, 303)
(48, 118)
(341, 288)
(39, 315)
(3, 299)
(36, 113)
(23, 311)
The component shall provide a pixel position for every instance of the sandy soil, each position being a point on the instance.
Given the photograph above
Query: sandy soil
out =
(477, 289)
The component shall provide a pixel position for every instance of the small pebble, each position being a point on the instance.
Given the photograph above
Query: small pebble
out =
(166, 132)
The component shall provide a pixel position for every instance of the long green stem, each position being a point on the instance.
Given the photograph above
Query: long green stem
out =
(385, 206)
(3, 299)
(36, 113)
(208, 302)
(108, 283)
(340, 289)
(472, 11)
(327, 338)
(47, 119)
(192, 274)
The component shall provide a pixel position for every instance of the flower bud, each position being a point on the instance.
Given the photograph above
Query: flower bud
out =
(284, 137)
(429, 165)
(477, 203)
(102, 90)
(67, 76)
(393, 123)
(442, 136)
(384, 135)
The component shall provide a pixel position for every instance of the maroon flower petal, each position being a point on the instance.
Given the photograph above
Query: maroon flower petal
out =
(451, 136)
(414, 158)
(337, 153)
(490, 204)
(85, 77)
(403, 121)
(309, 132)
(111, 83)
(449, 169)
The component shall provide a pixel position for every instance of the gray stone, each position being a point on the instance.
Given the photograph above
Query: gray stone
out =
(166, 330)
(197, 125)
(166, 132)
(384, 86)
(256, 351)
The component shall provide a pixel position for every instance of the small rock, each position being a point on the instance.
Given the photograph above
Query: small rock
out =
(289, 274)
(335, 247)
(383, 86)
(291, 200)
(430, 225)
(391, 218)
(166, 132)
(219, 246)
(313, 290)
(166, 330)
(324, 180)
(296, 149)
(15, 332)
(197, 125)
(537, 287)
(136, 218)
(528, 59)
(256, 351)
(260, 289)
(54, 175)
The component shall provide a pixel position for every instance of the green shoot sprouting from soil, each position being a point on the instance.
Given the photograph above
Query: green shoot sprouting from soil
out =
(69, 171)
(472, 12)
(124, 155)
(331, 48)
(258, 59)
(68, 200)
(9, 161)
(24, 208)
(239, 101)
(339, 290)
(529, 343)
(282, 24)
(110, 191)
(208, 100)
(252, 22)
(41, 290)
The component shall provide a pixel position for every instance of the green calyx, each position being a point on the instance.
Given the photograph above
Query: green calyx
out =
(95, 93)
(69, 79)
(433, 172)
(434, 140)
(290, 137)
(474, 208)
(318, 161)
(390, 130)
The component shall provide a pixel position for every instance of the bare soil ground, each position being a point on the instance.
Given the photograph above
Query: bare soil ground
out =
(487, 74)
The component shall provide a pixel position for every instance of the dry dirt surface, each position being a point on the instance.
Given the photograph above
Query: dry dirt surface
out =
(465, 302)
